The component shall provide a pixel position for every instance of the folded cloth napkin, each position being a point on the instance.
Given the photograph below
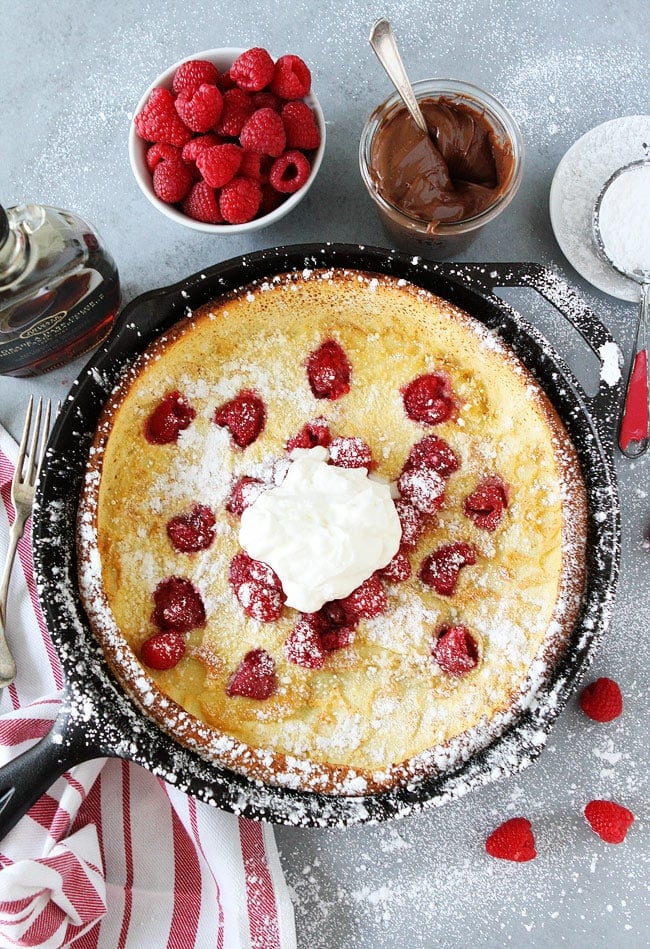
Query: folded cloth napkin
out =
(112, 856)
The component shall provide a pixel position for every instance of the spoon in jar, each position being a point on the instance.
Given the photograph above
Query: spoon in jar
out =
(382, 40)
(621, 228)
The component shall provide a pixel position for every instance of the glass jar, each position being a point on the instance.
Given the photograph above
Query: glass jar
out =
(439, 238)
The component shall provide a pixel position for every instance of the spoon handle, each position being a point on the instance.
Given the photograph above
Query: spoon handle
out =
(385, 48)
(635, 428)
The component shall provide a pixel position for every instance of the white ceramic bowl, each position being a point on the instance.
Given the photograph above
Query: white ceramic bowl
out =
(222, 59)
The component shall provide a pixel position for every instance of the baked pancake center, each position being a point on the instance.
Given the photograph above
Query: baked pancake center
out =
(324, 530)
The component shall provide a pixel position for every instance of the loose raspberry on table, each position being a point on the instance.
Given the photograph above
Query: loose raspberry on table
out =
(201, 204)
(350, 453)
(192, 74)
(237, 109)
(429, 399)
(300, 125)
(368, 600)
(512, 840)
(455, 650)
(423, 487)
(602, 700)
(255, 676)
(311, 435)
(244, 416)
(192, 530)
(178, 605)
(161, 152)
(413, 522)
(290, 172)
(240, 200)
(158, 121)
(163, 651)
(201, 109)
(611, 821)
(329, 371)
(486, 504)
(435, 453)
(172, 180)
(244, 492)
(219, 163)
(264, 133)
(252, 70)
(170, 417)
(303, 645)
(291, 77)
(440, 570)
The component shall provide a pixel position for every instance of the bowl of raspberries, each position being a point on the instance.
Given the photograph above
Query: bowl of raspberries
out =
(228, 140)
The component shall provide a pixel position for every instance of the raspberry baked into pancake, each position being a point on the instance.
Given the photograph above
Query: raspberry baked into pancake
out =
(332, 533)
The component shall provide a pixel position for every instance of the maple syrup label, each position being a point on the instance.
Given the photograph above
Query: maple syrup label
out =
(45, 325)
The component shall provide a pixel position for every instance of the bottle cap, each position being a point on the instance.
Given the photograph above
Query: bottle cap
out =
(4, 226)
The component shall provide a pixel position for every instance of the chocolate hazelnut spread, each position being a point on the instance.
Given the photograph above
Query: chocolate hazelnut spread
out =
(455, 174)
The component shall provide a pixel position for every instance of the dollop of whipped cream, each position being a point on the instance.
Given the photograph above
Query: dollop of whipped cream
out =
(324, 530)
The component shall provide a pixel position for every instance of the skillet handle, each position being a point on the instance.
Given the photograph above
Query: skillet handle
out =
(28, 776)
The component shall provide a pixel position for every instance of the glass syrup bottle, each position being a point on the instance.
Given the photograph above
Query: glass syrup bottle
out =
(59, 289)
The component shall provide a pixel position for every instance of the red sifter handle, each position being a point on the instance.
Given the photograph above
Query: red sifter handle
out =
(635, 422)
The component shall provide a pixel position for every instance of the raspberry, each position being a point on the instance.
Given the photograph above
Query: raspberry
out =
(254, 677)
(303, 644)
(172, 180)
(350, 453)
(251, 166)
(368, 600)
(335, 627)
(310, 435)
(428, 399)
(168, 419)
(434, 453)
(424, 488)
(513, 840)
(177, 605)
(244, 492)
(195, 146)
(161, 152)
(397, 570)
(486, 504)
(257, 588)
(192, 74)
(271, 199)
(328, 371)
(244, 417)
(240, 200)
(219, 163)
(225, 82)
(266, 100)
(237, 109)
(609, 820)
(455, 650)
(602, 700)
(289, 172)
(441, 568)
(291, 78)
(414, 523)
(264, 133)
(201, 204)
(300, 125)
(200, 110)
(252, 70)
(163, 650)
(158, 121)
(193, 530)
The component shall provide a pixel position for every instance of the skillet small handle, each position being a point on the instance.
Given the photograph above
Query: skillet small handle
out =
(28, 776)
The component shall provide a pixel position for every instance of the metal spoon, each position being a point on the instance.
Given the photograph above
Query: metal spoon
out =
(634, 430)
(383, 43)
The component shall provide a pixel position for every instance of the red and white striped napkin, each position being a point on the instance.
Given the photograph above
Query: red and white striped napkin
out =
(112, 856)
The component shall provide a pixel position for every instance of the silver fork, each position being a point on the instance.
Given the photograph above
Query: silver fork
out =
(23, 488)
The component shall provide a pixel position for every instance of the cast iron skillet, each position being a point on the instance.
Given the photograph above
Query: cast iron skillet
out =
(97, 719)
